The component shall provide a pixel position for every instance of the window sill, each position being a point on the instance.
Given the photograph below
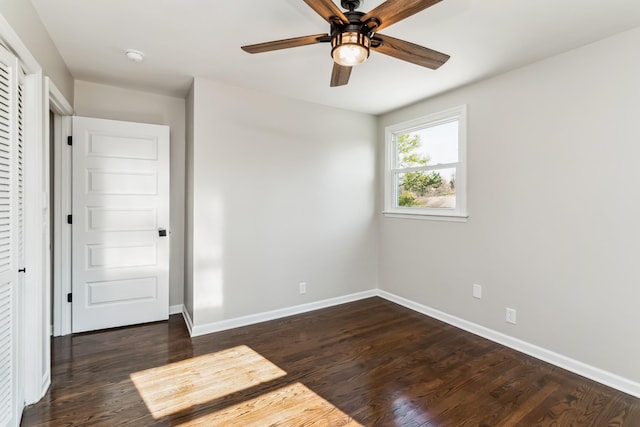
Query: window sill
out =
(426, 216)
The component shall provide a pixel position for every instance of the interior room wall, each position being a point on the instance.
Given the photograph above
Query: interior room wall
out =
(109, 102)
(283, 193)
(25, 21)
(553, 208)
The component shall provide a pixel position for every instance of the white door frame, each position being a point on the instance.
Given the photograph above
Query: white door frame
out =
(61, 208)
(34, 293)
(37, 236)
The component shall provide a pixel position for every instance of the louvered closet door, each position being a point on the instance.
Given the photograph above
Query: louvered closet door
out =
(10, 234)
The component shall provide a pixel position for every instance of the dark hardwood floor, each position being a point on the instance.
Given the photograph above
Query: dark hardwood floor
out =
(367, 363)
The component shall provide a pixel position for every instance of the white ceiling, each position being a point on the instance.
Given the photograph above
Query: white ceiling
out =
(186, 38)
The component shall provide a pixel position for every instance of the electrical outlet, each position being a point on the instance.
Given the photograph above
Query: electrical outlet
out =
(511, 315)
(477, 291)
(303, 287)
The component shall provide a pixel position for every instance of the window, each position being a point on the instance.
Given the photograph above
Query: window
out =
(425, 167)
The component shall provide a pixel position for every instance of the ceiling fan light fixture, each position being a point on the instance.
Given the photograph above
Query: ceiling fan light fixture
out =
(350, 48)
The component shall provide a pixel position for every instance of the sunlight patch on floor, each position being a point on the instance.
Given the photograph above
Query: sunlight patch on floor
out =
(293, 405)
(180, 386)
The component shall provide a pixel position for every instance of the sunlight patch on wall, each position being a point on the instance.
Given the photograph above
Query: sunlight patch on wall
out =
(292, 405)
(182, 386)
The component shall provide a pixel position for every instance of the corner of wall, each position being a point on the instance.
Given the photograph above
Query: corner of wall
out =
(188, 208)
(24, 20)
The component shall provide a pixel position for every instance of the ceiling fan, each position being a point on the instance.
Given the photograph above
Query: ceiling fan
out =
(353, 34)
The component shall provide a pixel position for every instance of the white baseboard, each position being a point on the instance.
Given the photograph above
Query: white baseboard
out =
(45, 383)
(187, 320)
(596, 374)
(274, 314)
(175, 309)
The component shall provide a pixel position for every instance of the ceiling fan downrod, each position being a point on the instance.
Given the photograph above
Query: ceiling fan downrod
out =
(350, 5)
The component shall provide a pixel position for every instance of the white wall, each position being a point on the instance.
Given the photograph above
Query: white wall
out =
(25, 21)
(283, 192)
(109, 102)
(553, 231)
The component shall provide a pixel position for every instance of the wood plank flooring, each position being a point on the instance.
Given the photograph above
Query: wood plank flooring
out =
(367, 363)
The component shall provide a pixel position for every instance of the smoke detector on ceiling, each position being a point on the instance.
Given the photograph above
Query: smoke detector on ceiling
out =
(134, 55)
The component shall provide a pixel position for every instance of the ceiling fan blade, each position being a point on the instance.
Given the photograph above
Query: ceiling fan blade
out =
(286, 43)
(327, 9)
(393, 11)
(411, 52)
(340, 75)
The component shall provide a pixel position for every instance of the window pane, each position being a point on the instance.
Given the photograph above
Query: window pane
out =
(427, 189)
(430, 146)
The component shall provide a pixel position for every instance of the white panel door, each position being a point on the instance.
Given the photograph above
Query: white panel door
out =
(120, 225)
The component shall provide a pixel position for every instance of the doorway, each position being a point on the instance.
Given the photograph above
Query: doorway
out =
(59, 152)
(111, 245)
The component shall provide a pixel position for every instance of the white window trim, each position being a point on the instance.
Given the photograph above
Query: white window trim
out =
(457, 214)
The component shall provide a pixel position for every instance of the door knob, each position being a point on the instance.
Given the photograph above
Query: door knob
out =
(162, 232)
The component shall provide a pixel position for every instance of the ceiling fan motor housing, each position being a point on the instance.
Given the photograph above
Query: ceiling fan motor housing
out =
(354, 25)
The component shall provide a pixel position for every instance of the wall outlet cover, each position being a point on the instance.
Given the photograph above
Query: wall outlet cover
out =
(477, 291)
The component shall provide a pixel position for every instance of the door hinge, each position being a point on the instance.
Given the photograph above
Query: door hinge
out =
(69, 219)
(69, 140)
(69, 298)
